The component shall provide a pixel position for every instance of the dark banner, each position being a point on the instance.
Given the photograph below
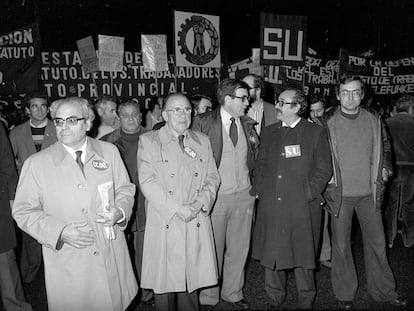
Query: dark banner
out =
(282, 40)
(20, 60)
(385, 77)
(62, 76)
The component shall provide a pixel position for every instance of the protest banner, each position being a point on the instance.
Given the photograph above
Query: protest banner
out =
(111, 53)
(384, 77)
(62, 76)
(282, 40)
(20, 60)
(88, 55)
(154, 52)
(197, 40)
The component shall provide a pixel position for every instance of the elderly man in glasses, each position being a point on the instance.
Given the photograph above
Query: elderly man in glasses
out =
(179, 179)
(235, 146)
(293, 168)
(75, 198)
(362, 164)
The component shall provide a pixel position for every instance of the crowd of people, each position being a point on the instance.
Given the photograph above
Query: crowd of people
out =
(165, 207)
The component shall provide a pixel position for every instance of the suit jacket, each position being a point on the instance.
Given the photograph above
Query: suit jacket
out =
(22, 141)
(8, 183)
(210, 124)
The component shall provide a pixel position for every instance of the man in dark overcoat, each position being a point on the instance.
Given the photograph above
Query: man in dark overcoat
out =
(293, 168)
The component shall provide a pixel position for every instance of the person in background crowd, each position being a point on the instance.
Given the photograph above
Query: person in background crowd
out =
(263, 112)
(11, 289)
(105, 107)
(399, 213)
(75, 198)
(292, 170)
(154, 114)
(235, 147)
(26, 139)
(362, 164)
(126, 139)
(201, 104)
(179, 179)
(318, 106)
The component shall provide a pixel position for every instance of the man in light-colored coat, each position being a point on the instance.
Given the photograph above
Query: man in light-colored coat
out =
(77, 209)
(179, 179)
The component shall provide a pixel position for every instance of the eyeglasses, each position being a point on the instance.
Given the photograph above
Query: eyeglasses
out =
(355, 93)
(129, 116)
(71, 121)
(282, 103)
(243, 98)
(178, 110)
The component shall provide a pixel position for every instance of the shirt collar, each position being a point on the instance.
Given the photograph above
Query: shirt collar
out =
(72, 151)
(225, 116)
(293, 125)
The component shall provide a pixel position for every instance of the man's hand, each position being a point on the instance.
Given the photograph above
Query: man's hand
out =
(185, 213)
(74, 237)
(386, 174)
(109, 218)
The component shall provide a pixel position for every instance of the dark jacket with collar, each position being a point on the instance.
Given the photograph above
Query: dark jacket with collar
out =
(382, 159)
(210, 123)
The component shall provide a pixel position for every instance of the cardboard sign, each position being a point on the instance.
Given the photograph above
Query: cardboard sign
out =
(154, 52)
(88, 55)
(197, 40)
(111, 53)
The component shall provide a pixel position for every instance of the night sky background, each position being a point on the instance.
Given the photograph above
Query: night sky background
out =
(384, 26)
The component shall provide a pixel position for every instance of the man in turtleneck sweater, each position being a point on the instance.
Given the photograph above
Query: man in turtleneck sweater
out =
(126, 139)
(362, 163)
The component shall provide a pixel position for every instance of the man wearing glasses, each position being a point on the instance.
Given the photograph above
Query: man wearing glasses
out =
(261, 111)
(75, 198)
(179, 179)
(235, 146)
(292, 170)
(362, 164)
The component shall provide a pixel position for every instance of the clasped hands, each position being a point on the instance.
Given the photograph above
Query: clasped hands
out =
(188, 212)
(75, 237)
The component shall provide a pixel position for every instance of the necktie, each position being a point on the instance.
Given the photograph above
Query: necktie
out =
(233, 131)
(79, 160)
(181, 141)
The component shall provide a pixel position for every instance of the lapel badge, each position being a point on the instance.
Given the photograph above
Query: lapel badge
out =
(190, 152)
(100, 165)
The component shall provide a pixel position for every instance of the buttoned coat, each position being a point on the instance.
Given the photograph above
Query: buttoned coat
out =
(177, 256)
(287, 228)
(23, 144)
(8, 183)
(52, 192)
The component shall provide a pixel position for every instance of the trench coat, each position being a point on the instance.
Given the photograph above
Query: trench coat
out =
(177, 256)
(289, 188)
(52, 192)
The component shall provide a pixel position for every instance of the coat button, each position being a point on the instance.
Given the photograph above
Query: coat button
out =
(84, 211)
(279, 176)
(198, 224)
(195, 174)
(197, 191)
(170, 192)
(167, 226)
(80, 186)
(172, 175)
(96, 253)
(165, 160)
(279, 199)
(283, 154)
(201, 160)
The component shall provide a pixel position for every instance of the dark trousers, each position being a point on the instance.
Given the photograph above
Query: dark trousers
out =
(177, 301)
(400, 207)
(380, 280)
(30, 258)
(146, 294)
(275, 286)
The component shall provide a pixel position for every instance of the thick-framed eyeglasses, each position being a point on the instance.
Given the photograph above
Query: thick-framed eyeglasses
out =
(177, 111)
(71, 121)
(355, 93)
(243, 98)
(281, 103)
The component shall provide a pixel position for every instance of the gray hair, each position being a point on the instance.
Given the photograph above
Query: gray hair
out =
(81, 102)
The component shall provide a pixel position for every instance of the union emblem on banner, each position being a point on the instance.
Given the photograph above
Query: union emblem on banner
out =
(197, 40)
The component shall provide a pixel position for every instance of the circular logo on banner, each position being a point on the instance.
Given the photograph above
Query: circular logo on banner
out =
(199, 40)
